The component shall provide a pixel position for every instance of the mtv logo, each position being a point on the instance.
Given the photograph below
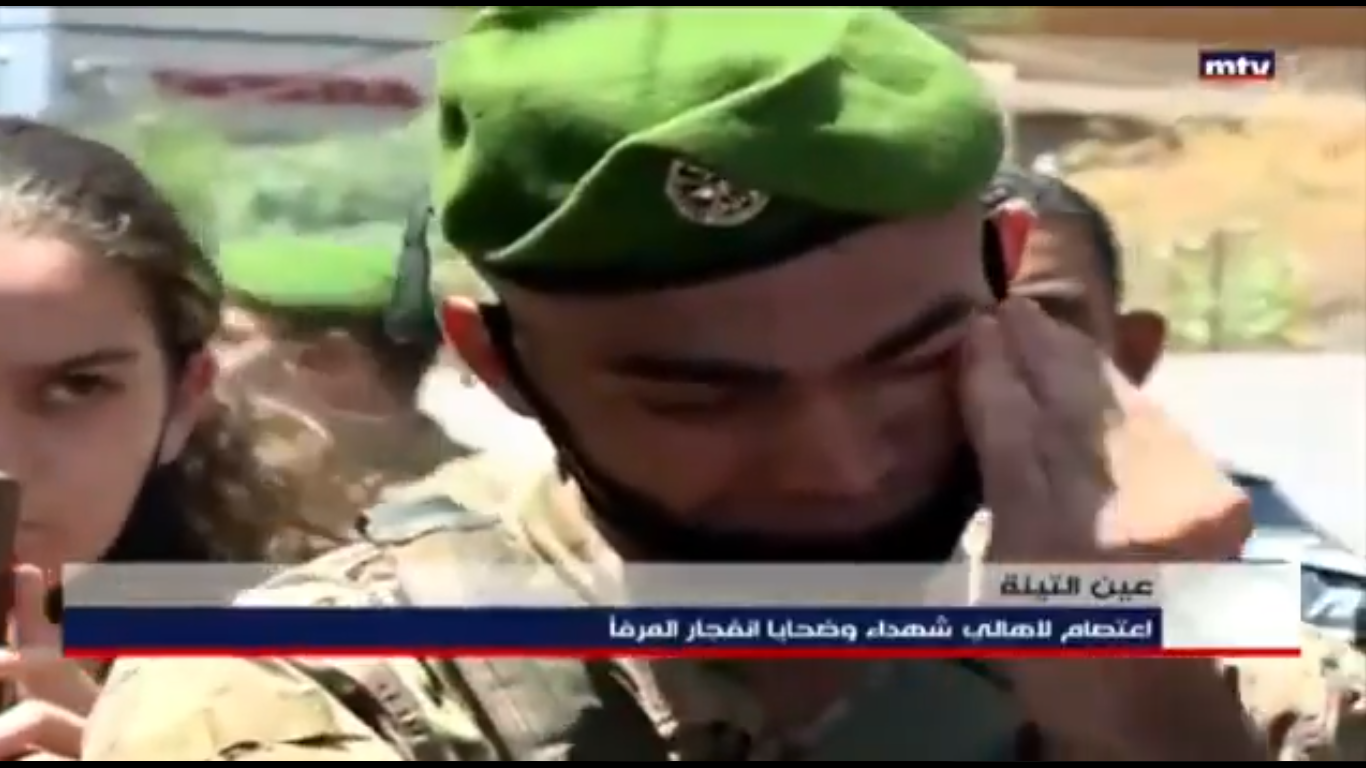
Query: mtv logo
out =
(1251, 66)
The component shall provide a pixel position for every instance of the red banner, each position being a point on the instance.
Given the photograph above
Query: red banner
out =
(313, 90)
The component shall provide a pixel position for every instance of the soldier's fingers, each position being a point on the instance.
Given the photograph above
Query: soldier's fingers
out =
(32, 630)
(1064, 370)
(1066, 376)
(1001, 418)
(36, 726)
(63, 684)
(18, 665)
(43, 674)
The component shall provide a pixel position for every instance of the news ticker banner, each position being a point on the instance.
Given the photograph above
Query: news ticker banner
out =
(497, 609)
(853, 632)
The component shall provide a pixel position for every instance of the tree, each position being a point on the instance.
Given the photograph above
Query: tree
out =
(183, 155)
(341, 182)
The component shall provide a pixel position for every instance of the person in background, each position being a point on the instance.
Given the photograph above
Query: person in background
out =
(1073, 269)
(109, 415)
(745, 282)
(323, 335)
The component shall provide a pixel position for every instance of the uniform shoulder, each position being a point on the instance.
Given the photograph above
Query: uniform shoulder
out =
(357, 574)
(224, 709)
(472, 494)
(304, 709)
(487, 482)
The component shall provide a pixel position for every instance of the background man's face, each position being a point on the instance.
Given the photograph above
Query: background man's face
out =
(1063, 272)
(813, 399)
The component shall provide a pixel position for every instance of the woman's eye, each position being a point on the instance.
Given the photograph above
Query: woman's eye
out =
(73, 389)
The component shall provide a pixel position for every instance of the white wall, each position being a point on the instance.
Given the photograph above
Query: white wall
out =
(121, 45)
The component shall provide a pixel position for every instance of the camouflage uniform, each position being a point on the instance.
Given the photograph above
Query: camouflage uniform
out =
(604, 112)
(1312, 709)
(471, 710)
(477, 710)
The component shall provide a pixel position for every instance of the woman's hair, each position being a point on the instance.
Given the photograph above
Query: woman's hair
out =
(59, 184)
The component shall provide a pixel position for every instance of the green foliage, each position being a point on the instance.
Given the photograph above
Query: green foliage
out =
(1233, 291)
(332, 184)
(356, 188)
(183, 155)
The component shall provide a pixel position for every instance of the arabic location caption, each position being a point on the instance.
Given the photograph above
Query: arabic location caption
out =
(1123, 586)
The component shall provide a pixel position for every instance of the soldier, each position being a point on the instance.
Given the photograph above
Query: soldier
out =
(739, 260)
(1310, 708)
(323, 338)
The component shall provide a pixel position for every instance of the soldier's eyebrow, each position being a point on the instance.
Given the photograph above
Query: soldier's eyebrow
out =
(941, 315)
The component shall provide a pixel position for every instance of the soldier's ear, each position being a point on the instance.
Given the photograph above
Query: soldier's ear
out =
(462, 325)
(1008, 227)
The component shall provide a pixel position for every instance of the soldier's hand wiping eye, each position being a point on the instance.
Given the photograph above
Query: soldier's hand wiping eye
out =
(1077, 465)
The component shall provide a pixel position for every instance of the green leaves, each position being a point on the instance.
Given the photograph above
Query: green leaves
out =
(1234, 291)
(185, 157)
(348, 186)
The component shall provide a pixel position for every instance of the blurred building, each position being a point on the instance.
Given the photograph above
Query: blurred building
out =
(260, 72)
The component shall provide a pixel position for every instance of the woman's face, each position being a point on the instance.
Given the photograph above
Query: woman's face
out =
(84, 397)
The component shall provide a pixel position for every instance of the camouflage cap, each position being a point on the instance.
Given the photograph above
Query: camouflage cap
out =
(589, 148)
(294, 272)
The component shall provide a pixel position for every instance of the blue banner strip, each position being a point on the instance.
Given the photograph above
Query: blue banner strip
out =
(355, 630)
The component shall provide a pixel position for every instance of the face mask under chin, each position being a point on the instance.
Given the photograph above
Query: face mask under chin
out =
(157, 529)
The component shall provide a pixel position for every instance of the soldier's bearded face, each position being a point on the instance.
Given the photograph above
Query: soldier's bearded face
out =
(812, 401)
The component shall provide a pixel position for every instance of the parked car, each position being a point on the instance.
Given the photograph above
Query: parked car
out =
(1333, 577)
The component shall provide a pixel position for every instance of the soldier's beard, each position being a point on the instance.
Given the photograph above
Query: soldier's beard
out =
(926, 532)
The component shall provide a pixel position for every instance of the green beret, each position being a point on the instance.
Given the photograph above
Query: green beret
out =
(595, 148)
(291, 272)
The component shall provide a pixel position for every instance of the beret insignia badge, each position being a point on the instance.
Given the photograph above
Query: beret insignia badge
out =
(705, 198)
